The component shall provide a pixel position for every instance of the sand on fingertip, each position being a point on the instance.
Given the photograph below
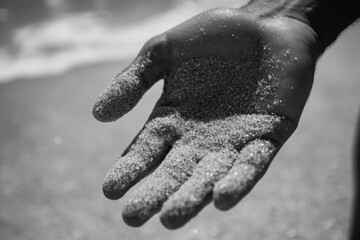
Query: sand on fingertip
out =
(123, 93)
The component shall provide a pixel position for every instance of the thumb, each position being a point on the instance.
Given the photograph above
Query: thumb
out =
(130, 85)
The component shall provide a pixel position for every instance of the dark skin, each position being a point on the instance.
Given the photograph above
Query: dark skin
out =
(255, 33)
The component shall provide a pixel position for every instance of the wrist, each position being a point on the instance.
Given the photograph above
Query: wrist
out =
(328, 18)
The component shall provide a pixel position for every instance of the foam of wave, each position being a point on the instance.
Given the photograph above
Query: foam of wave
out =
(55, 46)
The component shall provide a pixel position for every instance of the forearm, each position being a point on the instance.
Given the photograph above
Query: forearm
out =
(328, 18)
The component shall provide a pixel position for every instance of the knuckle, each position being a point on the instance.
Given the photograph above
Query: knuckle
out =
(156, 48)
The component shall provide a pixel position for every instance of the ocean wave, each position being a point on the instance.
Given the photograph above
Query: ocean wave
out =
(57, 45)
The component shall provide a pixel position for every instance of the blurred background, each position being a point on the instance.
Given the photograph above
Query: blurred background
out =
(56, 56)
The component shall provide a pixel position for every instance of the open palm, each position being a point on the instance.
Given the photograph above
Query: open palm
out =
(235, 85)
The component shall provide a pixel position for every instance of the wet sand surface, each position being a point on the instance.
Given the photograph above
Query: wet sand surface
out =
(54, 155)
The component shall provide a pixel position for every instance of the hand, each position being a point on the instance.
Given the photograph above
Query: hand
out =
(235, 85)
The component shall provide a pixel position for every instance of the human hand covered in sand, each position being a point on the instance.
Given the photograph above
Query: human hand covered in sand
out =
(235, 85)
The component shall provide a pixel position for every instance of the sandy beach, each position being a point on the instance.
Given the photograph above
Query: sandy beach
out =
(54, 155)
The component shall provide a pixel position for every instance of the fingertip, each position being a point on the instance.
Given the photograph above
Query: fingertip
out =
(172, 220)
(111, 190)
(133, 218)
(230, 190)
(223, 199)
(223, 206)
(175, 213)
(100, 112)
(115, 185)
(138, 211)
(179, 211)
(112, 105)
